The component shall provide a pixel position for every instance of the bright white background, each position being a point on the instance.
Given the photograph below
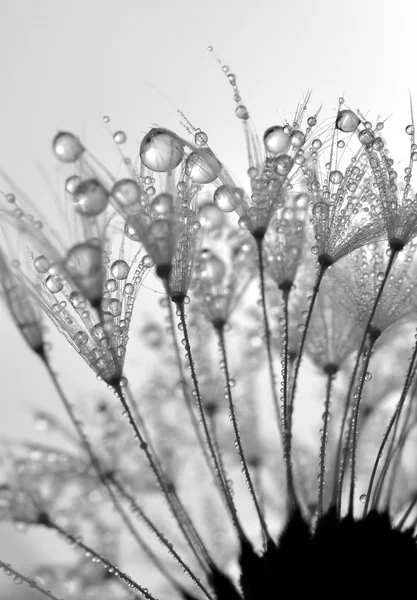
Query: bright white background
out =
(64, 64)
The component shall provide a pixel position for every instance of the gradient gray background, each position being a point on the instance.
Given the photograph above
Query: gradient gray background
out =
(65, 64)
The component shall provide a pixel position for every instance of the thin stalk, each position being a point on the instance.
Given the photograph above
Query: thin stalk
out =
(354, 424)
(322, 461)
(186, 395)
(104, 478)
(267, 331)
(217, 465)
(157, 472)
(407, 513)
(32, 583)
(223, 352)
(75, 541)
(141, 513)
(182, 512)
(357, 362)
(394, 417)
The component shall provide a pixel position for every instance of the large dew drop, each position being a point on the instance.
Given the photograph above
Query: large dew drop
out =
(127, 193)
(67, 148)
(203, 167)
(276, 140)
(90, 198)
(347, 121)
(161, 150)
(224, 199)
(84, 264)
(120, 269)
(163, 204)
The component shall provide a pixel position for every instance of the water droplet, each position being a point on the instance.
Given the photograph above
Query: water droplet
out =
(120, 137)
(90, 198)
(120, 269)
(163, 204)
(106, 119)
(362, 498)
(81, 337)
(210, 216)
(201, 138)
(203, 166)
(161, 150)
(224, 199)
(129, 289)
(366, 137)
(409, 130)
(297, 138)
(347, 121)
(72, 183)
(77, 300)
(67, 148)
(284, 164)
(84, 264)
(311, 121)
(242, 112)
(54, 284)
(276, 140)
(147, 261)
(41, 264)
(336, 177)
(126, 192)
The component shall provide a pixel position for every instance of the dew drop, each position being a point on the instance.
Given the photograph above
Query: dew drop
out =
(120, 137)
(362, 498)
(297, 138)
(41, 264)
(409, 130)
(336, 177)
(224, 199)
(67, 147)
(311, 121)
(201, 138)
(72, 183)
(284, 164)
(163, 204)
(120, 269)
(347, 121)
(161, 150)
(54, 284)
(203, 167)
(242, 112)
(276, 140)
(90, 198)
(126, 192)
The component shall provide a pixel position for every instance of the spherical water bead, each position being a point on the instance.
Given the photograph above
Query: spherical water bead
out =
(127, 193)
(212, 268)
(120, 137)
(311, 121)
(203, 167)
(111, 285)
(336, 177)
(72, 183)
(129, 289)
(163, 204)
(201, 138)
(85, 265)
(130, 231)
(366, 137)
(147, 261)
(120, 269)
(284, 164)
(276, 140)
(297, 138)
(115, 307)
(317, 144)
(41, 264)
(409, 130)
(210, 216)
(54, 284)
(362, 498)
(77, 300)
(90, 198)
(224, 199)
(67, 148)
(161, 150)
(242, 112)
(81, 337)
(347, 121)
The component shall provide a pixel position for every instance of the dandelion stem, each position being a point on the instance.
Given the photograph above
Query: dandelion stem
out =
(180, 508)
(141, 513)
(267, 331)
(373, 334)
(217, 465)
(74, 541)
(103, 477)
(186, 395)
(330, 372)
(222, 345)
(341, 470)
(157, 471)
(397, 412)
(8, 570)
